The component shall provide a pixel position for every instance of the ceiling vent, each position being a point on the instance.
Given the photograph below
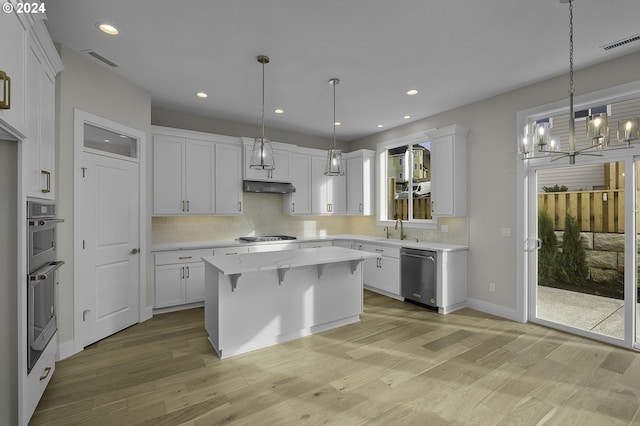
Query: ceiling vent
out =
(100, 58)
(621, 42)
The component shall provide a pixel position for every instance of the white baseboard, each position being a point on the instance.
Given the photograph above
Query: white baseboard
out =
(66, 349)
(490, 308)
(147, 313)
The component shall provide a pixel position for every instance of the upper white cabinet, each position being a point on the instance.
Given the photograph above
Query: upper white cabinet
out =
(281, 159)
(328, 193)
(39, 148)
(13, 33)
(299, 202)
(360, 182)
(449, 171)
(196, 173)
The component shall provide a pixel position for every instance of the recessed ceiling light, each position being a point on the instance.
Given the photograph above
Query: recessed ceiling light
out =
(380, 125)
(278, 111)
(337, 123)
(107, 140)
(406, 117)
(108, 29)
(412, 92)
(123, 136)
(202, 95)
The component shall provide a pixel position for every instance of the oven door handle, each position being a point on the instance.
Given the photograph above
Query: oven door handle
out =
(43, 222)
(41, 274)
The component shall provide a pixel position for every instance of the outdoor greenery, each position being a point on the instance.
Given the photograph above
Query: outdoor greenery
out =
(555, 188)
(548, 253)
(568, 266)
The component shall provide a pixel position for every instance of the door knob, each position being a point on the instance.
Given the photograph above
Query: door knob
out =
(134, 251)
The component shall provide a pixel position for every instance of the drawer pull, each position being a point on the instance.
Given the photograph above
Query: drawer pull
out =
(5, 102)
(185, 257)
(229, 254)
(47, 174)
(46, 373)
(380, 250)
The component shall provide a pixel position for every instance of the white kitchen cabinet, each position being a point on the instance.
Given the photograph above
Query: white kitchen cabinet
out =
(179, 277)
(281, 159)
(448, 171)
(230, 251)
(299, 202)
(328, 193)
(344, 243)
(40, 110)
(13, 33)
(360, 182)
(196, 173)
(228, 186)
(382, 274)
(273, 247)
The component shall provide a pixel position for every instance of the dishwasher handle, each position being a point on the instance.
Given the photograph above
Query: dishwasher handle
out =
(431, 258)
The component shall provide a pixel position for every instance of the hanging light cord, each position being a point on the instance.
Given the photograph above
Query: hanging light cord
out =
(263, 62)
(334, 113)
(572, 124)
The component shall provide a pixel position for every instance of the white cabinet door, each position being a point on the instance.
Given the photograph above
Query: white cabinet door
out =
(169, 285)
(168, 172)
(319, 202)
(299, 202)
(343, 243)
(228, 183)
(316, 244)
(273, 247)
(383, 273)
(13, 34)
(337, 194)
(40, 148)
(230, 251)
(360, 183)
(390, 278)
(449, 171)
(194, 282)
(199, 177)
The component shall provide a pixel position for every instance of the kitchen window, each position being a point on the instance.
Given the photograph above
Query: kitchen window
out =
(404, 178)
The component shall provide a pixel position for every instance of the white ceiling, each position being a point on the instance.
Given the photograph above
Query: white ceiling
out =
(453, 51)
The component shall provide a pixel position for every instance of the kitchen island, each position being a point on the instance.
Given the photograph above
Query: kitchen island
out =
(256, 300)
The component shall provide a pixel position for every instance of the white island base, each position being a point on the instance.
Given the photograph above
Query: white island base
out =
(261, 299)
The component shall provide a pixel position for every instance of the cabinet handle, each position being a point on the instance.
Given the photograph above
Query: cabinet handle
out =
(48, 176)
(182, 274)
(293, 207)
(187, 205)
(46, 373)
(187, 272)
(239, 206)
(380, 250)
(185, 257)
(183, 209)
(5, 102)
(360, 208)
(229, 254)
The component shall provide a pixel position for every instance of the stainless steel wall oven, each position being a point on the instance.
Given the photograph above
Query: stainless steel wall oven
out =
(41, 266)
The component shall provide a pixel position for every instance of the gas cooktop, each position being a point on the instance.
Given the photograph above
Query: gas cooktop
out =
(267, 238)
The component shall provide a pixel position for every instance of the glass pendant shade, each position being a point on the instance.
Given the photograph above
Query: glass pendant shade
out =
(262, 155)
(334, 163)
(598, 130)
(629, 130)
(524, 144)
(541, 134)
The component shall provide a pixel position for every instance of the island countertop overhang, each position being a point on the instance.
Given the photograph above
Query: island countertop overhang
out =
(268, 261)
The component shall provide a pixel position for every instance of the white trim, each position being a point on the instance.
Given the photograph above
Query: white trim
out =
(66, 349)
(79, 119)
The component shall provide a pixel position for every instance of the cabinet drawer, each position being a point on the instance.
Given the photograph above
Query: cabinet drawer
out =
(382, 250)
(181, 256)
(316, 244)
(230, 251)
(273, 247)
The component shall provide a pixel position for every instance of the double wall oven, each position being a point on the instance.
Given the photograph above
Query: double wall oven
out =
(42, 263)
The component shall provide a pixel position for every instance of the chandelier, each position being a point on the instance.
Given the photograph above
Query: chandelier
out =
(334, 155)
(262, 154)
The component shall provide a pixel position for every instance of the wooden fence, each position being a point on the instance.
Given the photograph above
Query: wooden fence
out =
(596, 211)
(421, 208)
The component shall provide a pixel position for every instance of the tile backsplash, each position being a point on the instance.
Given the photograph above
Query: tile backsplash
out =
(263, 216)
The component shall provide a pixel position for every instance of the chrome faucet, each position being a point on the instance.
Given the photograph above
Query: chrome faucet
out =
(402, 236)
(386, 229)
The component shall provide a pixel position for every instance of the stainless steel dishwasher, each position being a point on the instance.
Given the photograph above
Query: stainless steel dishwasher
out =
(418, 276)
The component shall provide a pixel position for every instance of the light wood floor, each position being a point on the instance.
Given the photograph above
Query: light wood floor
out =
(400, 365)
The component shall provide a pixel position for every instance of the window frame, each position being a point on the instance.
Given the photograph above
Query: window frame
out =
(381, 175)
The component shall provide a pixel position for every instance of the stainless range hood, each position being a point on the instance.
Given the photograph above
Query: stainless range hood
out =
(267, 187)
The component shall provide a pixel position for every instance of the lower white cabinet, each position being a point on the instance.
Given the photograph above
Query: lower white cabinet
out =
(345, 243)
(315, 244)
(273, 247)
(382, 274)
(179, 277)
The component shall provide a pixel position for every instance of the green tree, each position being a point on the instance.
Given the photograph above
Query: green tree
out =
(574, 268)
(548, 253)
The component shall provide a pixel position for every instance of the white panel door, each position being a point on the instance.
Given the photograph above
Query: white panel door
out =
(110, 237)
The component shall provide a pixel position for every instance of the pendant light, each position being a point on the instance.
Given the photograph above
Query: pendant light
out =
(262, 155)
(334, 155)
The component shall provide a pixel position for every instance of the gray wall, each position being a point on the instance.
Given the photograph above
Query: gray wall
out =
(8, 283)
(90, 87)
(491, 162)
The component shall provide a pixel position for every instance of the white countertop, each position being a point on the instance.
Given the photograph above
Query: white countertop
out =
(391, 242)
(267, 261)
